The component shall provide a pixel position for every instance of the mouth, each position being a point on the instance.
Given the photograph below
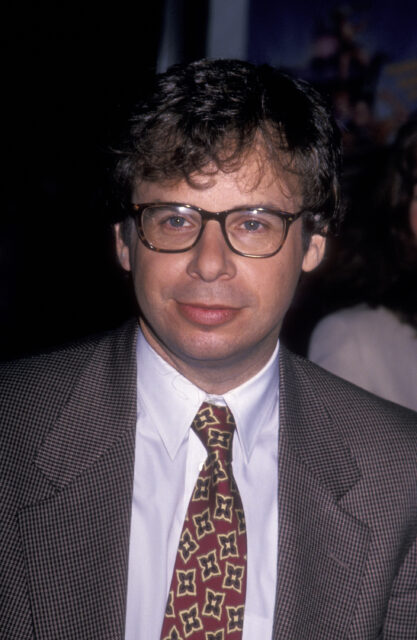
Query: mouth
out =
(207, 315)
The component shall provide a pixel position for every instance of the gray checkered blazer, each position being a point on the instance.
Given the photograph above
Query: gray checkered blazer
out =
(347, 562)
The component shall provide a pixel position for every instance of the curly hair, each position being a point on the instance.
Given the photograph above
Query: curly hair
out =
(209, 115)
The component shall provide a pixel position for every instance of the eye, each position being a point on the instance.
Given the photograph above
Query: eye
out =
(168, 221)
(177, 222)
(252, 225)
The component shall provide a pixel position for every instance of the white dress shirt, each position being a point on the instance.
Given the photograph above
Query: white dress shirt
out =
(168, 457)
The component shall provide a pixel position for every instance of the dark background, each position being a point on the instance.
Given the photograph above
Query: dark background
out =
(71, 74)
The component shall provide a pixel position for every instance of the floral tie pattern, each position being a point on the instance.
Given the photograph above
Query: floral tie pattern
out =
(207, 594)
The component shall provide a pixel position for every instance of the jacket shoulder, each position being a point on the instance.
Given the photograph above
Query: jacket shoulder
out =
(42, 375)
(372, 427)
(35, 389)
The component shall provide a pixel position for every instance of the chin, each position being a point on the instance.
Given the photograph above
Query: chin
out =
(206, 351)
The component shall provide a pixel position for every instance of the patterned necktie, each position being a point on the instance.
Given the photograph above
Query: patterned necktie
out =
(207, 595)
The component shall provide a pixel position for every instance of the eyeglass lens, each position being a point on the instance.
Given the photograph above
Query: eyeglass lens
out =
(175, 228)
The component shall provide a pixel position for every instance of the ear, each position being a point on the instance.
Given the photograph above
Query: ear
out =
(315, 252)
(122, 249)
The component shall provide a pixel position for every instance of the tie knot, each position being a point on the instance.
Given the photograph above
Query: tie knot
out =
(215, 426)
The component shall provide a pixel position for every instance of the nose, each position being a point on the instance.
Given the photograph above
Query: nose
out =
(211, 258)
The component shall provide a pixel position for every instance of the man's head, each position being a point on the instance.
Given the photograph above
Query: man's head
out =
(221, 135)
(210, 114)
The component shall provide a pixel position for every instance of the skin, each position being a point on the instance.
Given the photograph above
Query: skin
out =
(214, 315)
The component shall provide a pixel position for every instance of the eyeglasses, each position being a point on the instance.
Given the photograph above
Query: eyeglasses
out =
(253, 232)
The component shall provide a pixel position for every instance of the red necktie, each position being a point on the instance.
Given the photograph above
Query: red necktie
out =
(207, 595)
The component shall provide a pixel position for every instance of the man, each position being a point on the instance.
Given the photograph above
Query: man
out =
(229, 183)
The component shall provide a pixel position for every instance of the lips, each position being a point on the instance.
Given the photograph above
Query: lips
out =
(209, 316)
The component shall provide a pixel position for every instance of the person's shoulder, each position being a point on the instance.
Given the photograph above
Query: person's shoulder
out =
(45, 379)
(360, 315)
(380, 435)
(351, 406)
(34, 390)
(58, 359)
(359, 320)
(49, 366)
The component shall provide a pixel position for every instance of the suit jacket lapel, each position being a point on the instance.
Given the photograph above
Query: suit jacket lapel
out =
(76, 541)
(322, 549)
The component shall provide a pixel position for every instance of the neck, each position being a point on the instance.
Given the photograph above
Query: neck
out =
(215, 376)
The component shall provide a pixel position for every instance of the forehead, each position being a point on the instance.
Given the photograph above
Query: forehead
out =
(254, 182)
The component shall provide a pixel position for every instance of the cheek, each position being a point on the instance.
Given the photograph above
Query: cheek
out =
(155, 275)
(275, 287)
(142, 274)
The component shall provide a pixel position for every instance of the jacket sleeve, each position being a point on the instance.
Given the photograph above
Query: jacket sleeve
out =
(401, 617)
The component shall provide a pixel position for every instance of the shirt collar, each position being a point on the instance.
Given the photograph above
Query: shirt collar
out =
(254, 403)
(171, 401)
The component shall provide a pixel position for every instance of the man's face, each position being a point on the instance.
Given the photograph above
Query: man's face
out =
(208, 311)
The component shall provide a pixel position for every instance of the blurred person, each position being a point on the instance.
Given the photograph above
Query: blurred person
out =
(374, 343)
(185, 476)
